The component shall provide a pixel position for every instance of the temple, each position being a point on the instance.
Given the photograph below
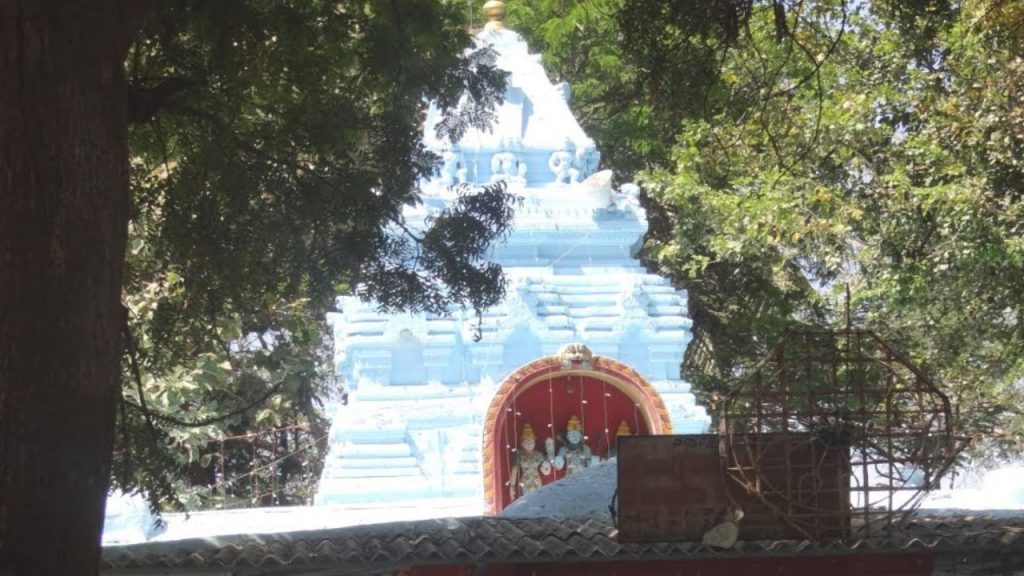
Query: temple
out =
(586, 346)
(444, 459)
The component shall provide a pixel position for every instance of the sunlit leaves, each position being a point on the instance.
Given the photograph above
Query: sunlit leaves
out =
(890, 165)
(269, 181)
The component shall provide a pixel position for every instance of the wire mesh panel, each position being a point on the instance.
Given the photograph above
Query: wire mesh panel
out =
(672, 488)
(835, 417)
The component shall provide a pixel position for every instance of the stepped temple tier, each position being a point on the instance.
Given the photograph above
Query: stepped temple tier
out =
(587, 346)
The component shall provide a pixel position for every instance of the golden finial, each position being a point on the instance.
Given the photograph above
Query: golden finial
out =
(495, 12)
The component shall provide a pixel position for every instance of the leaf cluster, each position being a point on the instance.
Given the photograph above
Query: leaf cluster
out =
(846, 155)
(274, 147)
(790, 149)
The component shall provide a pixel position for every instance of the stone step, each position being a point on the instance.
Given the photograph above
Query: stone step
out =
(377, 450)
(594, 312)
(582, 287)
(364, 329)
(363, 314)
(353, 434)
(577, 283)
(594, 323)
(602, 299)
(558, 322)
(411, 393)
(423, 421)
(350, 462)
(671, 323)
(548, 298)
(666, 310)
(396, 472)
(658, 296)
(465, 467)
(413, 405)
(443, 326)
(426, 418)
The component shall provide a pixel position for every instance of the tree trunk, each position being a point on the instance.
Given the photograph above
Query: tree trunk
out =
(63, 225)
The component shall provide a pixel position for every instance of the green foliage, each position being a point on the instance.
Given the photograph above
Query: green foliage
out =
(638, 68)
(790, 149)
(845, 154)
(274, 147)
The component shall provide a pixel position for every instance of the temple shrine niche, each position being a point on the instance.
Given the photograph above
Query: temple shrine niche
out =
(567, 411)
(585, 344)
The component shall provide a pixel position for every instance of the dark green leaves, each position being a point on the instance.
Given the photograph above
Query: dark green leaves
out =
(276, 146)
(472, 107)
(791, 148)
(447, 262)
(872, 148)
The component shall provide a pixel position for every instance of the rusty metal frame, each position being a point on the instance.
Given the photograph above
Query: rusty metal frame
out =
(844, 392)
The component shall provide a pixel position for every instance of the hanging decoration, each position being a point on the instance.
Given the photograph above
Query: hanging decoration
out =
(553, 417)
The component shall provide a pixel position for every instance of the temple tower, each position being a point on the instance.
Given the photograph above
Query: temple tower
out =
(584, 332)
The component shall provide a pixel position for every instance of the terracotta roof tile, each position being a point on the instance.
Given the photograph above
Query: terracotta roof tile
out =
(508, 540)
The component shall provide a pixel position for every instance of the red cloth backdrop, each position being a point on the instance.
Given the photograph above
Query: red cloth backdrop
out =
(547, 406)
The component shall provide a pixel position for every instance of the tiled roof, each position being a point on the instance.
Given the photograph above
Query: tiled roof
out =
(962, 540)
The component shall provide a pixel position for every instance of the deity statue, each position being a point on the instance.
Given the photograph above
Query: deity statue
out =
(520, 177)
(623, 430)
(452, 170)
(561, 163)
(587, 161)
(527, 466)
(506, 167)
(574, 455)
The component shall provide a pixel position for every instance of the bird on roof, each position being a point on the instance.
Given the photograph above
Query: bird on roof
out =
(724, 535)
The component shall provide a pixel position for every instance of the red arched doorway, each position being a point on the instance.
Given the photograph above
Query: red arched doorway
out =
(600, 392)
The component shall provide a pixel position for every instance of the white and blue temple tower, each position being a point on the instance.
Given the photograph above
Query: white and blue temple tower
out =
(427, 401)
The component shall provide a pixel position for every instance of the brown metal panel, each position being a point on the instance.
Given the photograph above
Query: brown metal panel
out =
(674, 488)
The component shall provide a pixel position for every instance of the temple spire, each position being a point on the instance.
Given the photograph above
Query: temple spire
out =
(495, 12)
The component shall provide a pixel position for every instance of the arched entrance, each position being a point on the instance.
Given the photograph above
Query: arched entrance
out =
(598, 394)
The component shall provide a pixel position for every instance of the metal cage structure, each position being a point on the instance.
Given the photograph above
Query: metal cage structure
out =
(837, 433)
